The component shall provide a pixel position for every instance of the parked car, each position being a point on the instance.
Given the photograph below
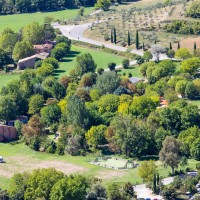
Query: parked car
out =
(1, 159)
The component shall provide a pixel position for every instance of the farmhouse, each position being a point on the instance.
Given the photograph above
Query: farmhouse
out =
(40, 48)
(7, 133)
(29, 62)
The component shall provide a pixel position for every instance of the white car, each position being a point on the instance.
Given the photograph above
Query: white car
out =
(1, 159)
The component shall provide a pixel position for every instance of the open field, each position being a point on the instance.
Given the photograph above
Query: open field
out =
(101, 59)
(6, 78)
(17, 21)
(196, 103)
(20, 158)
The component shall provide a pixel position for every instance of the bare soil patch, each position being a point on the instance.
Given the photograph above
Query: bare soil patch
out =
(20, 164)
(108, 174)
(188, 43)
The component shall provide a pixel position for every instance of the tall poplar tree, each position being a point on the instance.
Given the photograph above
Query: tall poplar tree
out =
(170, 45)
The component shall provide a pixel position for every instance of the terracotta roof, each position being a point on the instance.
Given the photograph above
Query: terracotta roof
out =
(43, 46)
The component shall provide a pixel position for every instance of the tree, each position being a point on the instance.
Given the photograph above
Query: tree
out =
(4, 58)
(58, 91)
(103, 4)
(171, 53)
(41, 182)
(137, 43)
(97, 191)
(170, 152)
(81, 11)
(147, 171)
(18, 185)
(51, 114)
(125, 63)
(8, 41)
(113, 192)
(111, 66)
(178, 47)
(18, 126)
(180, 86)
(169, 193)
(58, 53)
(170, 45)
(154, 184)
(77, 114)
(190, 65)
(129, 39)
(115, 36)
(8, 108)
(63, 39)
(107, 82)
(64, 81)
(51, 61)
(193, 10)
(22, 50)
(191, 91)
(85, 63)
(64, 46)
(183, 53)
(33, 33)
(147, 56)
(96, 136)
(72, 187)
(111, 36)
(36, 102)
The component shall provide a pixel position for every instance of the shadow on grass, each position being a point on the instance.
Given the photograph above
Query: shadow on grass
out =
(73, 53)
(66, 60)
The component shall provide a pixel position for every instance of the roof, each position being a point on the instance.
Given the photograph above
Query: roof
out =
(41, 56)
(135, 79)
(43, 46)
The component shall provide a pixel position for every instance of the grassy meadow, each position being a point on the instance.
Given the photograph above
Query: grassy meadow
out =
(20, 158)
(101, 59)
(17, 21)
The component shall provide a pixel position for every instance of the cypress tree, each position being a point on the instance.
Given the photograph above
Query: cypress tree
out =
(143, 46)
(129, 39)
(178, 45)
(155, 42)
(154, 184)
(158, 179)
(170, 45)
(111, 36)
(115, 36)
(195, 45)
(137, 40)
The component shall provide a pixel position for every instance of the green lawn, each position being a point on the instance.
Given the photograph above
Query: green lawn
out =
(101, 59)
(134, 70)
(6, 78)
(196, 103)
(18, 21)
(21, 158)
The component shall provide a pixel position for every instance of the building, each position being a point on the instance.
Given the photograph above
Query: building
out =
(40, 48)
(7, 133)
(29, 62)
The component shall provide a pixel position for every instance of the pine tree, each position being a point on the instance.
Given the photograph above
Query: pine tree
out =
(115, 36)
(129, 39)
(154, 184)
(137, 40)
(170, 45)
(178, 45)
(111, 36)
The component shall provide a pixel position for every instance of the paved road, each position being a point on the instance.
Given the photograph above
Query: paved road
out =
(76, 32)
(144, 192)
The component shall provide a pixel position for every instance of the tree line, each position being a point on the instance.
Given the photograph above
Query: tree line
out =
(27, 6)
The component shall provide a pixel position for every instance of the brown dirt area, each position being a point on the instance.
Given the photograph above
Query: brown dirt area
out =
(20, 164)
(107, 174)
(188, 43)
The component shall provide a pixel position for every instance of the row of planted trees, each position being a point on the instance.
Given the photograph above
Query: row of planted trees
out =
(113, 38)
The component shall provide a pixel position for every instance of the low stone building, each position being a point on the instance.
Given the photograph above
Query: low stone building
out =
(29, 62)
(7, 133)
(40, 48)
